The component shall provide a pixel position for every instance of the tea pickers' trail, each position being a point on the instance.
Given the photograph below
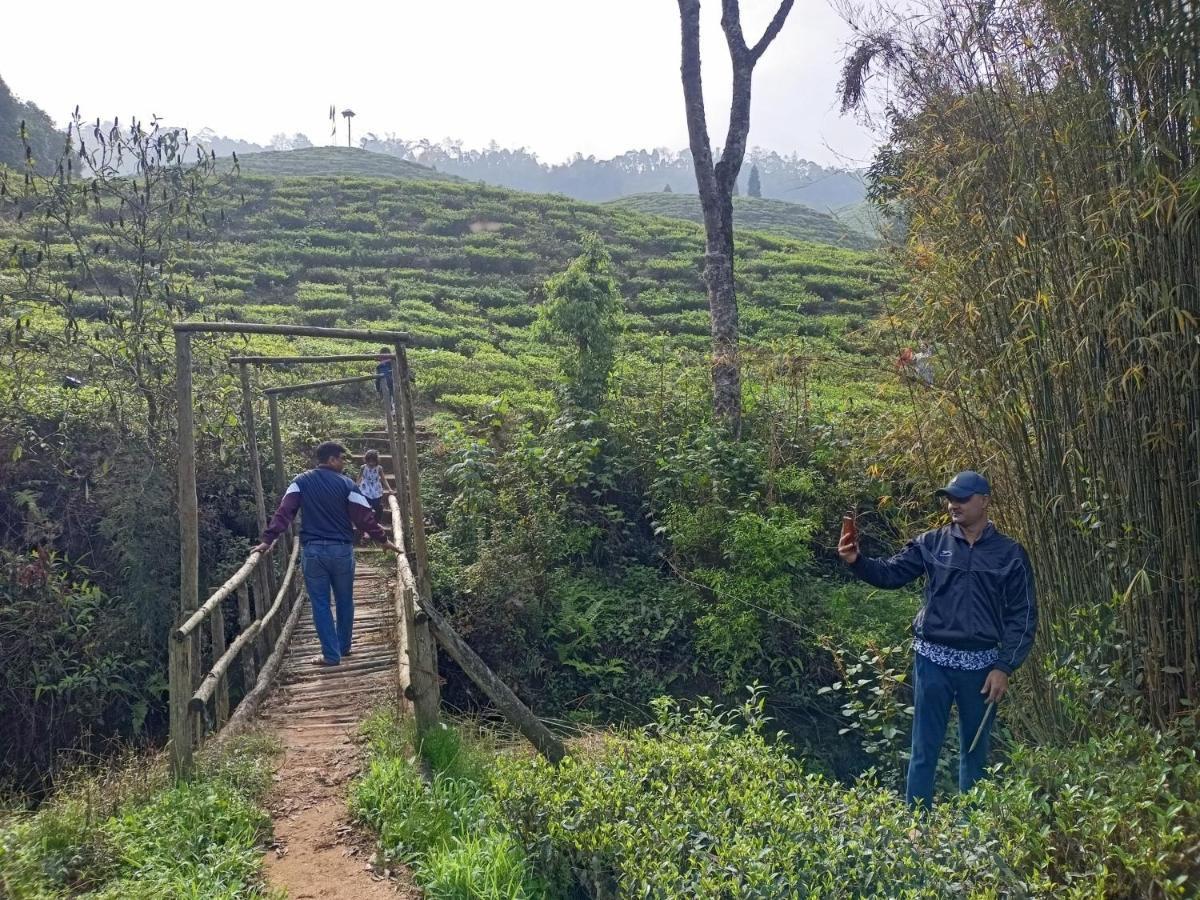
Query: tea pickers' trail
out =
(315, 711)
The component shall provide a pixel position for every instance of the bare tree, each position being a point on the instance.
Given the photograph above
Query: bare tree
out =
(716, 183)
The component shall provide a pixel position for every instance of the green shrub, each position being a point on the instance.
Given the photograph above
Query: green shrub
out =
(702, 805)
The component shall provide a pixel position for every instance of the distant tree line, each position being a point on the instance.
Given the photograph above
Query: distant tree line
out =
(634, 172)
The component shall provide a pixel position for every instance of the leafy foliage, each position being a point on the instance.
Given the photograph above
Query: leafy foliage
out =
(69, 671)
(702, 804)
(26, 129)
(581, 307)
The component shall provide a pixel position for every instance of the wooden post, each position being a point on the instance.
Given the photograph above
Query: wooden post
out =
(421, 648)
(182, 653)
(277, 447)
(249, 670)
(422, 663)
(260, 501)
(262, 602)
(280, 472)
(216, 623)
(399, 472)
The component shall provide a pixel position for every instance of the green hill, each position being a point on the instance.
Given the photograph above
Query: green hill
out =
(336, 161)
(461, 266)
(752, 213)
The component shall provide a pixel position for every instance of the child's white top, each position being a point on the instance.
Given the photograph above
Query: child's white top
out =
(371, 481)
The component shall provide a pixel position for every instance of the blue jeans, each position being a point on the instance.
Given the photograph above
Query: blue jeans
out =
(935, 689)
(330, 564)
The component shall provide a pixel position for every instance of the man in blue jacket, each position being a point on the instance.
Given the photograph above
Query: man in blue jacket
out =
(975, 626)
(334, 509)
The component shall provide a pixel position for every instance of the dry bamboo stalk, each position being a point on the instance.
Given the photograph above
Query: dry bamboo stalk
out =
(500, 694)
(247, 709)
(209, 683)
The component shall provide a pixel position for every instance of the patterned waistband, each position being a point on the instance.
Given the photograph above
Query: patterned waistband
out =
(952, 658)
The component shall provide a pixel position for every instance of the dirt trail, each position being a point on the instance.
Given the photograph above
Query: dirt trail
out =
(318, 851)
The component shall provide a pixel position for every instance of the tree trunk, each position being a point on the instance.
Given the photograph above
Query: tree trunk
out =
(715, 185)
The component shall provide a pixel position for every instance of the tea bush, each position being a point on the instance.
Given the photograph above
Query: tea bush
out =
(703, 804)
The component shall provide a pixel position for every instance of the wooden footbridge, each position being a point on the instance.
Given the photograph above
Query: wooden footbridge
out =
(399, 629)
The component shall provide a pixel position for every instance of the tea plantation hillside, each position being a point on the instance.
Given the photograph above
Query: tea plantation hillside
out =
(336, 161)
(462, 266)
(754, 213)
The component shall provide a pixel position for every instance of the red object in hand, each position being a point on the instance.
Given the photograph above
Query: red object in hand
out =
(849, 528)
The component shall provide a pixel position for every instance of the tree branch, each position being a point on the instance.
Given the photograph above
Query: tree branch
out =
(773, 29)
(731, 24)
(693, 96)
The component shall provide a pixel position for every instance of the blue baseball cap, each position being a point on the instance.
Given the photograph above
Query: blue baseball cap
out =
(964, 485)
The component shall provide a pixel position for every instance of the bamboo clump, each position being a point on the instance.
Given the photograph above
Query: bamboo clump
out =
(1044, 160)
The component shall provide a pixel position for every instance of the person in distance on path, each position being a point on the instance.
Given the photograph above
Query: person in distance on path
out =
(383, 373)
(975, 627)
(333, 509)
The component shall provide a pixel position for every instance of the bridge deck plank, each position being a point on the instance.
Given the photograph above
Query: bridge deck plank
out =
(315, 712)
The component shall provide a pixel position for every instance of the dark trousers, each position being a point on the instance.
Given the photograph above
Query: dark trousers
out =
(935, 689)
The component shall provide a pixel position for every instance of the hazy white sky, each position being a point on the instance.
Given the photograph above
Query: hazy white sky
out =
(556, 76)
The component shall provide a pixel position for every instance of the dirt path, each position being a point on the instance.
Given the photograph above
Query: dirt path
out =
(318, 851)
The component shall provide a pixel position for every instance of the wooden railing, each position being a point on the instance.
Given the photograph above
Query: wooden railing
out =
(259, 644)
(200, 698)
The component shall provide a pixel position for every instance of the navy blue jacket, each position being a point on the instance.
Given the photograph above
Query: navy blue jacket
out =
(976, 597)
(333, 508)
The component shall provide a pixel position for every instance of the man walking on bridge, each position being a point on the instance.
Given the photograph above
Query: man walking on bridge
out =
(975, 627)
(333, 509)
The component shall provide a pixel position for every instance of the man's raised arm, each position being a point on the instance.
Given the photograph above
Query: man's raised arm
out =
(896, 571)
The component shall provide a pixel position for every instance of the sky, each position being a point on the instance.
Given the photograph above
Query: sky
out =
(558, 77)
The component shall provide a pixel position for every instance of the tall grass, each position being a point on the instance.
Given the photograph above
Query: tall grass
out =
(448, 829)
(1043, 155)
(128, 831)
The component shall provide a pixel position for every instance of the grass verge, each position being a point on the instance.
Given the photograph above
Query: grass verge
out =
(129, 831)
(448, 830)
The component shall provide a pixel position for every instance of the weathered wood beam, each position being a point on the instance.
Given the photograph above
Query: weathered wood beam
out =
(181, 655)
(299, 360)
(248, 708)
(354, 334)
(234, 582)
(509, 705)
(312, 385)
